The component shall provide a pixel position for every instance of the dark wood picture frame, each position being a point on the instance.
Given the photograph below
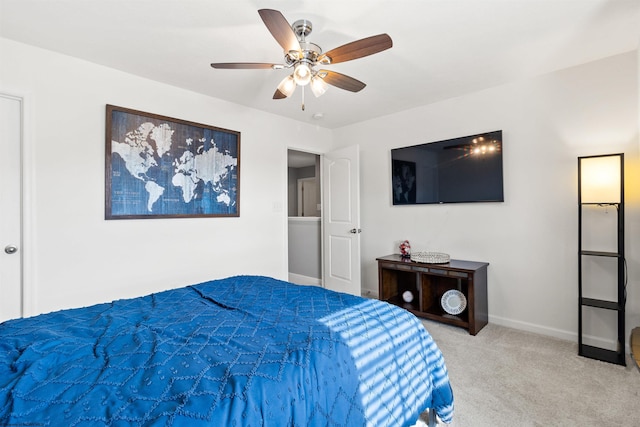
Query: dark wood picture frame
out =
(162, 167)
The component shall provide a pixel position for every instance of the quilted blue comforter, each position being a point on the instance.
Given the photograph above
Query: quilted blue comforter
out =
(243, 351)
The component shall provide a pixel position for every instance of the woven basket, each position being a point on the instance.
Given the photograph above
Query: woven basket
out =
(430, 257)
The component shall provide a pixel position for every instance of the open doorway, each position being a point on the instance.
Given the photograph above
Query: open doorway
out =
(304, 213)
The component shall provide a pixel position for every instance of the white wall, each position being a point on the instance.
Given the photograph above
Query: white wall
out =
(74, 256)
(531, 239)
(77, 258)
(304, 248)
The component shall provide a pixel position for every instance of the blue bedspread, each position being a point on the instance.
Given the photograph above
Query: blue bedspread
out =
(243, 351)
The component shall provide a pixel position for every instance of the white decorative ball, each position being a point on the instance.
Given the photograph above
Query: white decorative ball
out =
(407, 296)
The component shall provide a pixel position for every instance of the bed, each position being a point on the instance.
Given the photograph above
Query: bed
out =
(241, 351)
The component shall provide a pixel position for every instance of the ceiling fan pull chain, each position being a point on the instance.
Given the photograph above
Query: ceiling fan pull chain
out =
(302, 98)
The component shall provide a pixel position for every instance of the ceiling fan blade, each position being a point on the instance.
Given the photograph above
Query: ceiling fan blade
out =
(280, 29)
(342, 81)
(358, 49)
(244, 65)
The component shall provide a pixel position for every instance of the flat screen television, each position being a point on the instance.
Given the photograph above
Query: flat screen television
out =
(459, 170)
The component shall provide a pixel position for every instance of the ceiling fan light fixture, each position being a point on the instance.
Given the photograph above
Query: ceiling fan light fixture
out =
(287, 86)
(302, 74)
(318, 86)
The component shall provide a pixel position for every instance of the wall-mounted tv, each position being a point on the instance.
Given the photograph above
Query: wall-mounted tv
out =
(459, 170)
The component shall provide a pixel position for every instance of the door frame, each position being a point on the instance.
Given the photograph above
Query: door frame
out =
(27, 178)
(286, 214)
(323, 213)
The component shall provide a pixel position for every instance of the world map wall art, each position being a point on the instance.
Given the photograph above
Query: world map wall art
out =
(160, 167)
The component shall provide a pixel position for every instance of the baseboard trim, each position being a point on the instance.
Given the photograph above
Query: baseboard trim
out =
(536, 329)
(300, 279)
(556, 333)
(367, 293)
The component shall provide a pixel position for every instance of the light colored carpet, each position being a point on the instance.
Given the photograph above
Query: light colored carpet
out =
(506, 377)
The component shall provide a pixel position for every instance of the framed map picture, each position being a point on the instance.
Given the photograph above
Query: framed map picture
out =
(160, 167)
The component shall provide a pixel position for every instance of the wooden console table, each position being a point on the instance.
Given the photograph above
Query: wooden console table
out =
(428, 282)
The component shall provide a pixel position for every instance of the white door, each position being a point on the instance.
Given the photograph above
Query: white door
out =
(307, 204)
(341, 217)
(10, 207)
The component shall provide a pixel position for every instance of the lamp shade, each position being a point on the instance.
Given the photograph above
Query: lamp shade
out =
(318, 86)
(287, 86)
(601, 179)
(302, 74)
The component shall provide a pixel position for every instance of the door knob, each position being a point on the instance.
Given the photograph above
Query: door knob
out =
(355, 231)
(10, 249)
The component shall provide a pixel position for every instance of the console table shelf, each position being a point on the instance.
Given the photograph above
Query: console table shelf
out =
(428, 282)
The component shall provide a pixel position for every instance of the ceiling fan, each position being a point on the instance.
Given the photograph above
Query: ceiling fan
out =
(303, 57)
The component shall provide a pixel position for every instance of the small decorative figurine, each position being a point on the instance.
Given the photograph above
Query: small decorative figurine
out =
(405, 249)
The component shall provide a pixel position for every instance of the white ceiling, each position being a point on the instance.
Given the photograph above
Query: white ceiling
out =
(441, 48)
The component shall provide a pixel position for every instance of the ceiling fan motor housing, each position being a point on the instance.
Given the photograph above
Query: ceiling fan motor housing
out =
(302, 28)
(309, 52)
